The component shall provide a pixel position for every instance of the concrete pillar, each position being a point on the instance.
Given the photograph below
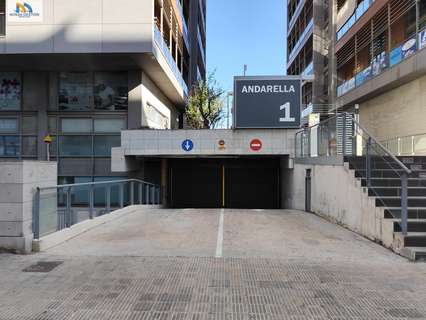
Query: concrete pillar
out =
(134, 118)
(164, 182)
(18, 183)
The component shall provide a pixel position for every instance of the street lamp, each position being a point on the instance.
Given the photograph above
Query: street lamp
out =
(229, 94)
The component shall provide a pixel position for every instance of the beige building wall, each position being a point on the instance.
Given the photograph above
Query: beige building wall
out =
(397, 113)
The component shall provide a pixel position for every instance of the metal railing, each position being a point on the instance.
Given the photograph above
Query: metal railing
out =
(62, 206)
(343, 135)
(414, 145)
(158, 38)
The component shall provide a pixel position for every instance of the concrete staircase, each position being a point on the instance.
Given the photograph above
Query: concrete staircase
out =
(386, 189)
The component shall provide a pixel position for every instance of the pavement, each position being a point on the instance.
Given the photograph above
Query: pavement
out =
(213, 264)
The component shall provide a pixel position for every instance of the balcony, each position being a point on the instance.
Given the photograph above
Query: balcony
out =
(359, 12)
(384, 61)
(308, 30)
(184, 26)
(161, 44)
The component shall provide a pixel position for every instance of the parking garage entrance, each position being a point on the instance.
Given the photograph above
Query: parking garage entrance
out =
(243, 183)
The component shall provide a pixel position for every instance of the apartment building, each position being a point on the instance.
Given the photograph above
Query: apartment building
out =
(82, 71)
(308, 33)
(381, 66)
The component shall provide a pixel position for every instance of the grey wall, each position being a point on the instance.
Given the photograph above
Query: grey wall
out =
(338, 196)
(18, 182)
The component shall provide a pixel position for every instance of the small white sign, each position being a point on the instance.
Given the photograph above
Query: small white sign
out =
(25, 11)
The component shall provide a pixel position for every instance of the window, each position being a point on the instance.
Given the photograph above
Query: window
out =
(110, 125)
(8, 125)
(103, 145)
(29, 146)
(75, 91)
(29, 125)
(76, 125)
(75, 146)
(9, 146)
(10, 91)
(111, 91)
(2, 18)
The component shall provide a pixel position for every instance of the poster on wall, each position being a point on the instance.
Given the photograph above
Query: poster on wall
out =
(422, 39)
(402, 52)
(74, 91)
(379, 63)
(25, 11)
(10, 91)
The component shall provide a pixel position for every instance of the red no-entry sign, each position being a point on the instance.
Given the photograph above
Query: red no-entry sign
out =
(255, 145)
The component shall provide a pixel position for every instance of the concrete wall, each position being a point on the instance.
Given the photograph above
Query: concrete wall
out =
(18, 181)
(82, 26)
(206, 142)
(398, 112)
(338, 196)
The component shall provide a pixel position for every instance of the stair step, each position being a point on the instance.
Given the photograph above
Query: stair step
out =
(396, 201)
(393, 182)
(413, 213)
(396, 191)
(413, 225)
(417, 254)
(388, 173)
(415, 239)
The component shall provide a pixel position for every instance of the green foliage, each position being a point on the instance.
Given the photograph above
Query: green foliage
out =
(205, 104)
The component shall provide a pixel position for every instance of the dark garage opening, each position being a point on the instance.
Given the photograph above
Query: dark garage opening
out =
(225, 183)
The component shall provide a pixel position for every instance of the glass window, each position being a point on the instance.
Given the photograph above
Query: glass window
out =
(103, 145)
(76, 125)
(9, 146)
(75, 146)
(2, 17)
(29, 146)
(110, 125)
(29, 125)
(111, 91)
(75, 91)
(8, 125)
(52, 125)
(10, 91)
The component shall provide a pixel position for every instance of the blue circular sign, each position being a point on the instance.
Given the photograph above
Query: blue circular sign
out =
(187, 145)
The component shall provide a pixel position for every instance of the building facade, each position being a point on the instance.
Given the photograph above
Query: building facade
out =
(308, 33)
(381, 66)
(83, 71)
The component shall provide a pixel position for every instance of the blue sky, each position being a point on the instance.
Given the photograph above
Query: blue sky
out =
(248, 32)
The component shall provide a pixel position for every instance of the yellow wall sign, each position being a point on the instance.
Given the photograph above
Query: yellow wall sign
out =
(47, 139)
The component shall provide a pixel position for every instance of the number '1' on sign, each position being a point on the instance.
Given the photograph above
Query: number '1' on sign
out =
(286, 109)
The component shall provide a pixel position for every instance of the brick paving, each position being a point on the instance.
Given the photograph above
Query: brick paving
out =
(367, 282)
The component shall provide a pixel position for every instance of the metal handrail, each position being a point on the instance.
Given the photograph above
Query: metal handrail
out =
(357, 130)
(403, 166)
(96, 183)
(394, 158)
(61, 215)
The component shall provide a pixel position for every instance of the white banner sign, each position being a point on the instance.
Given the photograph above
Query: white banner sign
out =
(25, 11)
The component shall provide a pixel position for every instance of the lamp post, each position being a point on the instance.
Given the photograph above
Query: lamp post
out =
(229, 94)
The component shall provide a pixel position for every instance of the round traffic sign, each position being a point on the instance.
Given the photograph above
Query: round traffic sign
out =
(256, 145)
(187, 145)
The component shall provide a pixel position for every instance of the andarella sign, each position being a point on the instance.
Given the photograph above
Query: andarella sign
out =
(25, 10)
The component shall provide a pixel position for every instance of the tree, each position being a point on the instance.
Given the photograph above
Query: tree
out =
(205, 104)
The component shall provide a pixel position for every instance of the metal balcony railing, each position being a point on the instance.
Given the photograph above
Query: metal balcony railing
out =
(62, 206)
(359, 12)
(414, 145)
(158, 38)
